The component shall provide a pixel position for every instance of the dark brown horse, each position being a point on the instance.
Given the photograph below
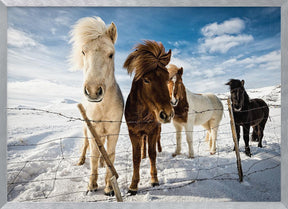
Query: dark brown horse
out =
(248, 112)
(148, 104)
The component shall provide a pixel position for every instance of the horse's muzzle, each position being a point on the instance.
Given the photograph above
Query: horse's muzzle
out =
(237, 109)
(165, 117)
(94, 96)
(174, 103)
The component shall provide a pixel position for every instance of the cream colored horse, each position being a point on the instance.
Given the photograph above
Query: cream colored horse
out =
(93, 52)
(192, 110)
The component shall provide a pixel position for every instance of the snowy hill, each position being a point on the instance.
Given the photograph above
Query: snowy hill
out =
(44, 147)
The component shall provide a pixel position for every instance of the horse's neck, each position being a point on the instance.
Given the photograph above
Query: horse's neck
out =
(182, 108)
(136, 100)
(246, 100)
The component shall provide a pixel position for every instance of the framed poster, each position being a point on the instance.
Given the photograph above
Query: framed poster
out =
(213, 42)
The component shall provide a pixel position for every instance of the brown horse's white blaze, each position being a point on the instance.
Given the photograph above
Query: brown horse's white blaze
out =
(174, 101)
(93, 52)
(193, 109)
(148, 104)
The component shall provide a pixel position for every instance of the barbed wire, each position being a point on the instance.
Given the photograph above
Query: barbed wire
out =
(176, 183)
(72, 118)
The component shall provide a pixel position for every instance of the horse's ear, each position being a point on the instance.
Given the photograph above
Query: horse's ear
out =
(228, 83)
(112, 32)
(242, 83)
(180, 71)
(169, 55)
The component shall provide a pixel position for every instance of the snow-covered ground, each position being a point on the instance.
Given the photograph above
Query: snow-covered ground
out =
(44, 147)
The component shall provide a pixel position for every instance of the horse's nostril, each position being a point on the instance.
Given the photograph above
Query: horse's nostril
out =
(86, 91)
(163, 115)
(100, 91)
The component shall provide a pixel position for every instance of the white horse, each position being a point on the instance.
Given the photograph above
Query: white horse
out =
(93, 52)
(193, 109)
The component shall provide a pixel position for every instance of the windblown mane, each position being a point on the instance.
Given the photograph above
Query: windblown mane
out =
(147, 57)
(84, 31)
(173, 70)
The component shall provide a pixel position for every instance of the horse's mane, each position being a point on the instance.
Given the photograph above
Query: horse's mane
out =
(147, 57)
(84, 31)
(173, 70)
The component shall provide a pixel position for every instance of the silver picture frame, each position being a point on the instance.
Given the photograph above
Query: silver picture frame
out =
(283, 4)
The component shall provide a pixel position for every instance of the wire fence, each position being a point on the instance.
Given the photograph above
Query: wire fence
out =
(173, 173)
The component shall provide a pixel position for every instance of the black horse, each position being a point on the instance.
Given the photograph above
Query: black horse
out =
(248, 112)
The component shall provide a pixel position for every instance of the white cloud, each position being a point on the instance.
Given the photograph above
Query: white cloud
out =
(224, 43)
(270, 61)
(53, 31)
(178, 43)
(232, 26)
(209, 73)
(213, 72)
(63, 20)
(220, 38)
(17, 38)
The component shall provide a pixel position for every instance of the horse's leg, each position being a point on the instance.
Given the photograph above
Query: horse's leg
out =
(152, 140)
(214, 130)
(178, 128)
(189, 139)
(261, 131)
(136, 145)
(255, 134)
(84, 148)
(159, 140)
(143, 146)
(111, 145)
(94, 159)
(246, 130)
(260, 135)
(101, 162)
(207, 127)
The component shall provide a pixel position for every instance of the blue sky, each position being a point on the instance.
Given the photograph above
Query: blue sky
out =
(211, 44)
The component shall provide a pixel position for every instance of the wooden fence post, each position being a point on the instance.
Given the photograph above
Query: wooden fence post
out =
(104, 154)
(232, 123)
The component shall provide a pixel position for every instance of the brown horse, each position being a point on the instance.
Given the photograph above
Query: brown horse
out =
(148, 104)
(193, 110)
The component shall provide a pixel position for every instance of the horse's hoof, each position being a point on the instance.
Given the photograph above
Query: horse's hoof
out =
(260, 145)
(247, 152)
(154, 184)
(175, 154)
(132, 192)
(110, 194)
(191, 156)
(212, 153)
(81, 161)
(92, 187)
(91, 191)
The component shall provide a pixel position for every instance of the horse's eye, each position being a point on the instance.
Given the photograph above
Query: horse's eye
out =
(111, 55)
(83, 53)
(146, 80)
